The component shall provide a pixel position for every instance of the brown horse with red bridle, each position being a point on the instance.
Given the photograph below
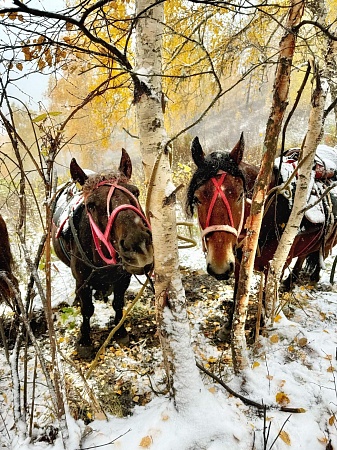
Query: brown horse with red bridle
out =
(220, 190)
(102, 234)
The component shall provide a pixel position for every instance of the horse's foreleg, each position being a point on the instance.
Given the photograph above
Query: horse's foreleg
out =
(87, 310)
(293, 277)
(118, 304)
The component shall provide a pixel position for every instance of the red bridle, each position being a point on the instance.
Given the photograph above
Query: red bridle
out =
(97, 234)
(218, 192)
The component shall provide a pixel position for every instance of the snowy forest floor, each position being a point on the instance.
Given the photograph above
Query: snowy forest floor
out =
(293, 365)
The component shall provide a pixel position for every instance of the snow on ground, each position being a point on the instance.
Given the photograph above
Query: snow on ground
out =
(293, 366)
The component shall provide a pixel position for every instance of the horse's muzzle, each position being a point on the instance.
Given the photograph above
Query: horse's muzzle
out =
(224, 275)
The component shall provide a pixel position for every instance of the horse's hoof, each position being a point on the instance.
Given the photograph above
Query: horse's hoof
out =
(85, 348)
(85, 351)
(123, 340)
(224, 334)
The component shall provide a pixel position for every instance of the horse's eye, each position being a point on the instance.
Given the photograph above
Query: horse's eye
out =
(134, 190)
(91, 206)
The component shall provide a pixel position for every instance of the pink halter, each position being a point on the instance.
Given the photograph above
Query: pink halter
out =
(228, 228)
(97, 234)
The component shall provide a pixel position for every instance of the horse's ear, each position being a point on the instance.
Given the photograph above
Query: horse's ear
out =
(77, 174)
(198, 154)
(125, 165)
(237, 152)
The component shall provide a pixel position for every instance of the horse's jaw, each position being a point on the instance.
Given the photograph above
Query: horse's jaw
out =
(134, 270)
(138, 263)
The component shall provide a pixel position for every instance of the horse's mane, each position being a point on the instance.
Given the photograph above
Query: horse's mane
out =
(213, 162)
(93, 180)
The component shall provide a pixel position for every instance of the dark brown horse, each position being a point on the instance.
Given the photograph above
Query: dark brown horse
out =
(7, 279)
(220, 190)
(104, 238)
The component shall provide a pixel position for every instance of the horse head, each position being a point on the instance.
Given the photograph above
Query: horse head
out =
(121, 233)
(217, 191)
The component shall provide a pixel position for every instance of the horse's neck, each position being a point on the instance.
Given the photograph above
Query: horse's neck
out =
(250, 172)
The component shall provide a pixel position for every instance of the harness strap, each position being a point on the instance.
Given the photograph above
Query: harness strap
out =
(227, 228)
(100, 237)
(79, 246)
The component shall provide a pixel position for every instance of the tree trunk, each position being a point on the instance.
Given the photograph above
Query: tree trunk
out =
(302, 194)
(253, 224)
(172, 320)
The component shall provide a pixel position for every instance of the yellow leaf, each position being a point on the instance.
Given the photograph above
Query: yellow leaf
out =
(19, 66)
(302, 342)
(41, 64)
(291, 348)
(212, 390)
(331, 369)
(285, 437)
(269, 377)
(255, 364)
(323, 440)
(328, 357)
(12, 15)
(278, 318)
(145, 442)
(274, 338)
(282, 398)
(212, 359)
(165, 417)
(331, 420)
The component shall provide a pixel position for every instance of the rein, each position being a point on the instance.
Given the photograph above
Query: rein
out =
(218, 192)
(97, 234)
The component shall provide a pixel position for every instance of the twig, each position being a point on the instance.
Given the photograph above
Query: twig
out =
(278, 434)
(108, 443)
(246, 400)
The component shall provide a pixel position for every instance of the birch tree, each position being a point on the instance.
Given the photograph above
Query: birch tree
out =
(253, 224)
(183, 377)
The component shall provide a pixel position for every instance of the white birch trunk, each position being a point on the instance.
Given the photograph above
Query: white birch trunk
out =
(302, 194)
(172, 317)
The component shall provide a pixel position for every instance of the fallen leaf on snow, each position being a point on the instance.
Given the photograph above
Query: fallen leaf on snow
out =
(145, 442)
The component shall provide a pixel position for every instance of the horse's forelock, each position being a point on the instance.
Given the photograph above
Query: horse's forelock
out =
(213, 163)
(93, 180)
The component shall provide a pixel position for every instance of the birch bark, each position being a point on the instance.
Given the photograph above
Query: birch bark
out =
(302, 193)
(183, 377)
(253, 224)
